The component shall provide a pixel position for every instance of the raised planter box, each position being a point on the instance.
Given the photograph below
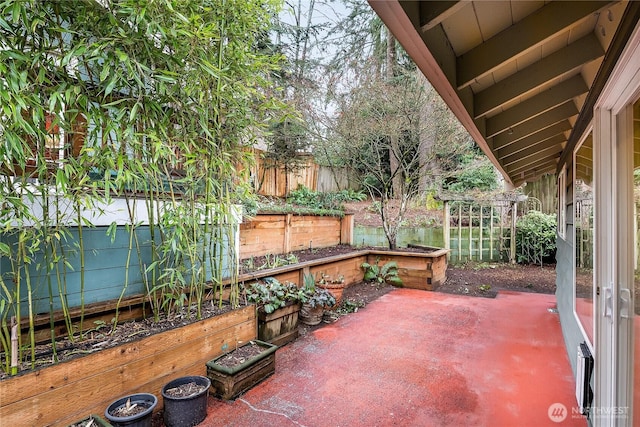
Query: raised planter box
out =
(227, 383)
(424, 271)
(59, 394)
(418, 270)
(279, 327)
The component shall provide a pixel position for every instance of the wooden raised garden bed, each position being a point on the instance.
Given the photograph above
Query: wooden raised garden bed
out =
(71, 390)
(418, 270)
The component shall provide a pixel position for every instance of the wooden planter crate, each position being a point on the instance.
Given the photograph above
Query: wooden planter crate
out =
(279, 327)
(228, 383)
(71, 390)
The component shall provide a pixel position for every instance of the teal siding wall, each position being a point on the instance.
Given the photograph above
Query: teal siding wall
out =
(564, 295)
(106, 270)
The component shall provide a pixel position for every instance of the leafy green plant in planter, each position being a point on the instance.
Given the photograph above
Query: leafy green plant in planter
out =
(270, 294)
(278, 307)
(315, 299)
(387, 273)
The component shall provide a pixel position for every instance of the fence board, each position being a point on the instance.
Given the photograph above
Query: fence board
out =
(275, 234)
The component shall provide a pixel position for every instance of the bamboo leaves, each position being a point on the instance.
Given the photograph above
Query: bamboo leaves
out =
(146, 102)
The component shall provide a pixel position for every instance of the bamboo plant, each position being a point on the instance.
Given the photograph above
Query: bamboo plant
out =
(153, 103)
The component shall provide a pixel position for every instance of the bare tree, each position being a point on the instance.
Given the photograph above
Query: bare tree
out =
(380, 121)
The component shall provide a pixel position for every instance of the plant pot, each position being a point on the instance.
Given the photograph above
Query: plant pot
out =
(311, 315)
(96, 421)
(279, 327)
(227, 382)
(336, 290)
(185, 411)
(141, 419)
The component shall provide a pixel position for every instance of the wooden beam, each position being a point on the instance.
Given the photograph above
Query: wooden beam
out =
(532, 167)
(626, 28)
(432, 13)
(533, 149)
(558, 63)
(550, 98)
(536, 124)
(514, 41)
(533, 154)
(535, 138)
(535, 174)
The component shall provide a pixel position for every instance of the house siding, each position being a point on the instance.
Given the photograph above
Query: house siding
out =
(106, 269)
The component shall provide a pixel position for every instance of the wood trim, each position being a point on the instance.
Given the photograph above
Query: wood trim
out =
(626, 28)
(518, 38)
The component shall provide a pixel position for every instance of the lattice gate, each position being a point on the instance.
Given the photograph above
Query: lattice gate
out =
(482, 230)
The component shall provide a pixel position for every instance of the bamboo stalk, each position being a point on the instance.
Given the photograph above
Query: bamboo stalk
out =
(14, 346)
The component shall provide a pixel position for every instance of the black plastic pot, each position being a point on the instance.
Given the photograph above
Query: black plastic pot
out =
(185, 411)
(142, 419)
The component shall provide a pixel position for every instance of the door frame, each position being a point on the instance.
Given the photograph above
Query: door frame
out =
(613, 164)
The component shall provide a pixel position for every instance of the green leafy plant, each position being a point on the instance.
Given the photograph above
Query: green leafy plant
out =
(349, 306)
(331, 200)
(315, 296)
(535, 237)
(153, 104)
(270, 294)
(387, 273)
(484, 288)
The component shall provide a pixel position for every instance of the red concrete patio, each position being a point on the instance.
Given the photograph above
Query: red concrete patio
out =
(415, 358)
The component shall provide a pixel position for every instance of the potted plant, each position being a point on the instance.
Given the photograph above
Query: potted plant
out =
(335, 286)
(185, 401)
(278, 306)
(91, 421)
(237, 371)
(134, 410)
(314, 301)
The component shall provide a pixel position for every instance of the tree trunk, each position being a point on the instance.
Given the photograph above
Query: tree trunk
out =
(394, 163)
(427, 139)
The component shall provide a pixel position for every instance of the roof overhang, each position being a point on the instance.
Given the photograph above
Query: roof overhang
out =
(521, 76)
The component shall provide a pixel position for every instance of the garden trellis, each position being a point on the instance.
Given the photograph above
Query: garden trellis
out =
(481, 229)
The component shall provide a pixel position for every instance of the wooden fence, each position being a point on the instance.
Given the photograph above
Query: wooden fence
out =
(279, 182)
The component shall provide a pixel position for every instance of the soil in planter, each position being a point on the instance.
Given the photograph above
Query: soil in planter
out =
(128, 410)
(103, 335)
(240, 355)
(185, 390)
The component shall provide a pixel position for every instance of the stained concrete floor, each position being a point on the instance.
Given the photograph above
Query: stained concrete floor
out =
(415, 358)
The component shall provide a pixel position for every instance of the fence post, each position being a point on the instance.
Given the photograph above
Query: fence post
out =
(346, 229)
(481, 236)
(287, 233)
(514, 217)
(446, 229)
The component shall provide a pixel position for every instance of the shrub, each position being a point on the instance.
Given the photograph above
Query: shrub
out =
(319, 200)
(535, 238)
